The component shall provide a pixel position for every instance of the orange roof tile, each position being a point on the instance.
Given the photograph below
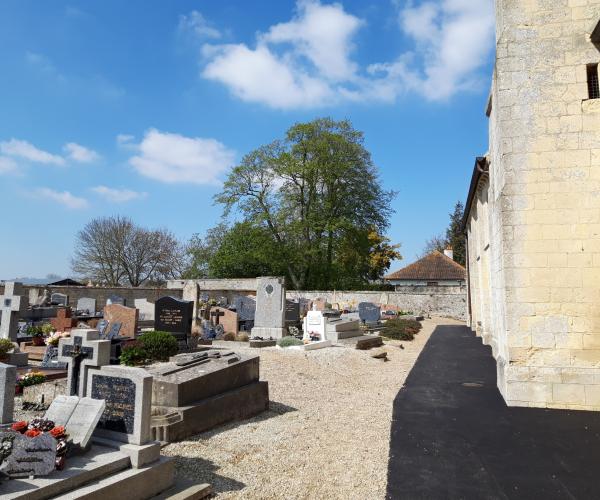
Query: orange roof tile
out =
(433, 267)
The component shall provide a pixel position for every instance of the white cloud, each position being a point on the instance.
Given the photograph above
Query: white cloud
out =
(196, 23)
(174, 158)
(63, 197)
(118, 195)
(7, 165)
(307, 61)
(27, 151)
(123, 139)
(79, 153)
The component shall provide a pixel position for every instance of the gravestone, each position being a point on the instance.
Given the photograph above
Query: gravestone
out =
(319, 304)
(101, 327)
(59, 299)
(87, 305)
(369, 312)
(114, 331)
(115, 299)
(50, 359)
(82, 351)
(292, 312)
(12, 306)
(8, 380)
(64, 320)
(226, 318)
(79, 416)
(128, 395)
(174, 316)
(269, 320)
(314, 325)
(245, 307)
(145, 308)
(27, 456)
(127, 316)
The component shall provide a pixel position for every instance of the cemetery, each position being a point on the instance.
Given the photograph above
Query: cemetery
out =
(107, 392)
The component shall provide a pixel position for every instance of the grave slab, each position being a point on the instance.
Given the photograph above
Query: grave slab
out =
(8, 380)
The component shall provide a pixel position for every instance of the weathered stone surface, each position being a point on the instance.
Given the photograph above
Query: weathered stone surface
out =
(145, 308)
(269, 320)
(78, 415)
(127, 316)
(29, 456)
(369, 343)
(87, 304)
(8, 380)
(262, 343)
(12, 306)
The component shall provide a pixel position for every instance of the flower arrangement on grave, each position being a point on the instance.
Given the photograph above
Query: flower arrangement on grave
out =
(31, 378)
(54, 338)
(38, 426)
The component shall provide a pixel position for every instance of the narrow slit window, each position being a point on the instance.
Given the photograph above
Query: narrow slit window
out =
(592, 78)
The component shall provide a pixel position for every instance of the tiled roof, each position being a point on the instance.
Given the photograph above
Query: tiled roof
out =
(433, 267)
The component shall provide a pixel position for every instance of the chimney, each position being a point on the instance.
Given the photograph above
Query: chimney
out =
(449, 253)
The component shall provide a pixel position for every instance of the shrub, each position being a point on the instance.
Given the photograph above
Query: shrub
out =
(289, 341)
(242, 337)
(31, 378)
(401, 329)
(35, 331)
(158, 346)
(229, 336)
(132, 355)
(5, 346)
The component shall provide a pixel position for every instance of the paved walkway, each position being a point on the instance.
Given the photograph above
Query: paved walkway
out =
(453, 437)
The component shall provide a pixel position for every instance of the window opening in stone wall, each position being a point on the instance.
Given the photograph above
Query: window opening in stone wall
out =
(592, 78)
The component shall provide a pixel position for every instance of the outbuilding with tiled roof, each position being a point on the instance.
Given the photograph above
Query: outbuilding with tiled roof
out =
(435, 269)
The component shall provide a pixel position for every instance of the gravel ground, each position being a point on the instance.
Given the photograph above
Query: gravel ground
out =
(326, 434)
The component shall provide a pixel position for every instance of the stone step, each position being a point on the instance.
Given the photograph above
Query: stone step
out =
(98, 463)
(130, 484)
(185, 490)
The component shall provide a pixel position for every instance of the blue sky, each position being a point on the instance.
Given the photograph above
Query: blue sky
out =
(140, 107)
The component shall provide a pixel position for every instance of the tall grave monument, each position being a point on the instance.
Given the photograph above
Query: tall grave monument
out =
(12, 306)
(269, 320)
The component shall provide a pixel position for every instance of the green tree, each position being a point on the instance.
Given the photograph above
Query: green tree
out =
(201, 251)
(313, 191)
(454, 234)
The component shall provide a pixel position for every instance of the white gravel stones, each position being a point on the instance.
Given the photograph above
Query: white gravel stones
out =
(326, 434)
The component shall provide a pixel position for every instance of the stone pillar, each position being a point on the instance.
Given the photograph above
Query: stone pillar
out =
(8, 380)
(269, 320)
(191, 293)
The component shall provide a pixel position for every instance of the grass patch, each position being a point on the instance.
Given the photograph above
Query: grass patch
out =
(289, 341)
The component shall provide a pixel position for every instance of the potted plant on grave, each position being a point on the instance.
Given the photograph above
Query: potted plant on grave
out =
(37, 335)
(6, 346)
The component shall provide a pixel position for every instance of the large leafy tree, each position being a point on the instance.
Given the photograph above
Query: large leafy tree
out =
(313, 193)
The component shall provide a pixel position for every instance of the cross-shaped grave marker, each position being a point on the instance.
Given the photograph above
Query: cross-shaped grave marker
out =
(63, 321)
(83, 350)
(215, 315)
(11, 305)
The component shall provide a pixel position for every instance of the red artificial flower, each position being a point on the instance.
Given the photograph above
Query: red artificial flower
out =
(58, 431)
(20, 426)
(31, 433)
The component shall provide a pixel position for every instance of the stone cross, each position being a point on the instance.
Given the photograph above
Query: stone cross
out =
(11, 305)
(63, 321)
(215, 315)
(83, 350)
(8, 380)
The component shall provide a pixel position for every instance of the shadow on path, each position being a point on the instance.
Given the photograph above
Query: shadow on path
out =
(453, 436)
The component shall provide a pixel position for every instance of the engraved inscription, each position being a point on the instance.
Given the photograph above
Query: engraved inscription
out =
(119, 395)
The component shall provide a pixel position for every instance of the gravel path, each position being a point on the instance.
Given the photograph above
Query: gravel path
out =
(326, 434)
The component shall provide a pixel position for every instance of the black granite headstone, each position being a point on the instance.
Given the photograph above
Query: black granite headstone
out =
(292, 311)
(173, 315)
(114, 330)
(51, 359)
(119, 395)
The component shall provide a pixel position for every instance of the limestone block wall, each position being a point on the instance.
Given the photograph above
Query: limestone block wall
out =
(544, 206)
(445, 301)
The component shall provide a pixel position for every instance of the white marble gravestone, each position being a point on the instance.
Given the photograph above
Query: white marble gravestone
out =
(60, 299)
(314, 323)
(145, 308)
(269, 320)
(12, 306)
(8, 380)
(87, 304)
(82, 351)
